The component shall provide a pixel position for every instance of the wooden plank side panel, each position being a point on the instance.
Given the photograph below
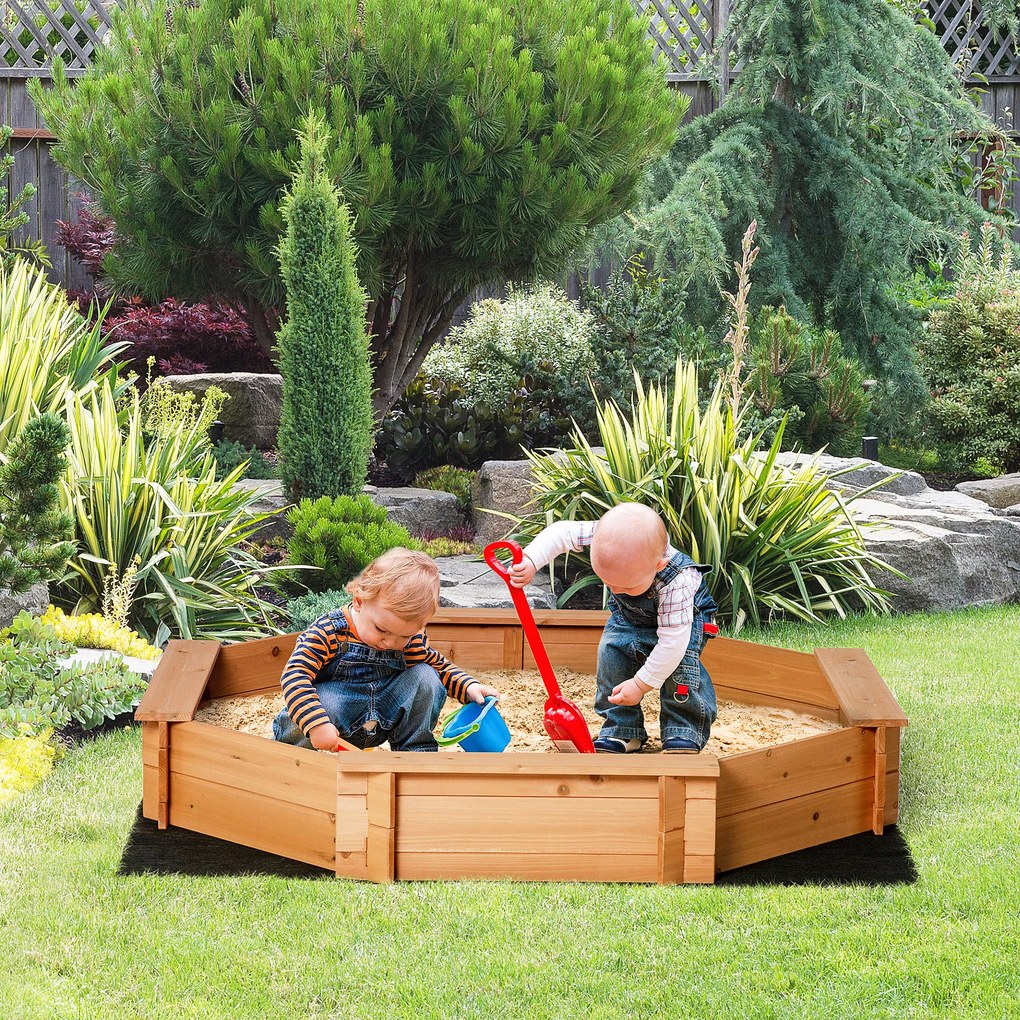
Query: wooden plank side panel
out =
(253, 819)
(517, 825)
(255, 764)
(776, 829)
(178, 682)
(382, 802)
(863, 697)
(769, 775)
(251, 667)
(768, 672)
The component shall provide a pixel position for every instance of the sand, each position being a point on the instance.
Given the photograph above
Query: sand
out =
(739, 727)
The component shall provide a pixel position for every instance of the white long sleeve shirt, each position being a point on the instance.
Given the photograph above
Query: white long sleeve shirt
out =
(675, 606)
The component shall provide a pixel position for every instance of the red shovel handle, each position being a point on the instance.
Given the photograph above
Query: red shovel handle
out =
(523, 610)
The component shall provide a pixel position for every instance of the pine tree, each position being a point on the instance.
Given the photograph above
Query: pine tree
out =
(477, 141)
(840, 137)
(326, 423)
(34, 532)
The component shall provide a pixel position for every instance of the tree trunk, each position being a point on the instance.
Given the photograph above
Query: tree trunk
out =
(264, 324)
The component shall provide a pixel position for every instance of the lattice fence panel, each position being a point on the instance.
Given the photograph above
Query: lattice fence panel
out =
(683, 34)
(975, 47)
(33, 32)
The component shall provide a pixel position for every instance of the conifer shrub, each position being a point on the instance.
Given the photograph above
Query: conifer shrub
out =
(306, 609)
(970, 356)
(326, 422)
(800, 375)
(35, 533)
(339, 536)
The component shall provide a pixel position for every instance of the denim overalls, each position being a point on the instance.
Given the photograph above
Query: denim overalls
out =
(687, 708)
(372, 696)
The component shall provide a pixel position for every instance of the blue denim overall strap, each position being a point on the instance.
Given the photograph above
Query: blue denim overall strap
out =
(643, 610)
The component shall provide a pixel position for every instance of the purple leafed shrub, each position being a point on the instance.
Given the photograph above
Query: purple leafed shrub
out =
(183, 338)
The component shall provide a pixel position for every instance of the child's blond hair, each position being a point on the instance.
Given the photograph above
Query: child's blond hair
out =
(404, 581)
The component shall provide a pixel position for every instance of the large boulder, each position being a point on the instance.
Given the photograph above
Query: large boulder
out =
(269, 499)
(419, 510)
(1002, 492)
(251, 416)
(954, 550)
(35, 600)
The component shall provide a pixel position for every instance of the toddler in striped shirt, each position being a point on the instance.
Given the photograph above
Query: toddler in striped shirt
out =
(367, 673)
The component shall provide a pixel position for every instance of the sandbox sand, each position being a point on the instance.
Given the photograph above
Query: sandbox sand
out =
(739, 727)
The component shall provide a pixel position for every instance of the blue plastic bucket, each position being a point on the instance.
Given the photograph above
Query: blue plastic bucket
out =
(476, 728)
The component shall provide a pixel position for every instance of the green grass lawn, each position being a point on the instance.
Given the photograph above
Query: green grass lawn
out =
(79, 941)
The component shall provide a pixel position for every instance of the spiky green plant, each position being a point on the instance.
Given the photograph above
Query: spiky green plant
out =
(157, 499)
(781, 543)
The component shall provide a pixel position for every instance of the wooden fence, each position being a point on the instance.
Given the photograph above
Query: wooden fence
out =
(689, 37)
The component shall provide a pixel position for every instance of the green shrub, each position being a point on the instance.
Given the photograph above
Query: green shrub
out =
(340, 536)
(970, 357)
(152, 502)
(12, 216)
(34, 532)
(308, 608)
(326, 422)
(447, 478)
(533, 333)
(780, 543)
(37, 693)
(794, 367)
(253, 463)
(444, 545)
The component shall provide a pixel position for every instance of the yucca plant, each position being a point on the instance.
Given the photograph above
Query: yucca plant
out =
(47, 350)
(780, 542)
(157, 499)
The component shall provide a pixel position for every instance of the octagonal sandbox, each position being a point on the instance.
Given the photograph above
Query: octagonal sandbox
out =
(563, 817)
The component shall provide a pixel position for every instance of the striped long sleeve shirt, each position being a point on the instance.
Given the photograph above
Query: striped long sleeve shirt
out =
(322, 642)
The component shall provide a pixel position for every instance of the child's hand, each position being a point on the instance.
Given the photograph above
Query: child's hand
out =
(522, 573)
(325, 737)
(478, 692)
(630, 692)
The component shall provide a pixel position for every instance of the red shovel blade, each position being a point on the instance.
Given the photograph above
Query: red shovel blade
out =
(564, 721)
(566, 726)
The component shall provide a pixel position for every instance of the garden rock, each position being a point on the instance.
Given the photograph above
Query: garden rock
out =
(1001, 492)
(467, 583)
(35, 600)
(251, 416)
(419, 510)
(954, 550)
(504, 486)
(270, 500)
(87, 656)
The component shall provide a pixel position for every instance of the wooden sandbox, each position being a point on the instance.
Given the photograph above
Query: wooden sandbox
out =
(632, 818)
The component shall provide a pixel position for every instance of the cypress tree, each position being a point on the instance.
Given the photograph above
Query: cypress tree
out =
(326, 422)
(478, 141)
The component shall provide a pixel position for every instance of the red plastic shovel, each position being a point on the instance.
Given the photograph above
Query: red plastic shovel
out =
(563, 719)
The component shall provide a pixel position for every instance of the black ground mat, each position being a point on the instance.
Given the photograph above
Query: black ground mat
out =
(862, 859)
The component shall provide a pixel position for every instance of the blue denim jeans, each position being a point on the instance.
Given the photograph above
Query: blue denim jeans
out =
(360, 688)
(622, 650)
